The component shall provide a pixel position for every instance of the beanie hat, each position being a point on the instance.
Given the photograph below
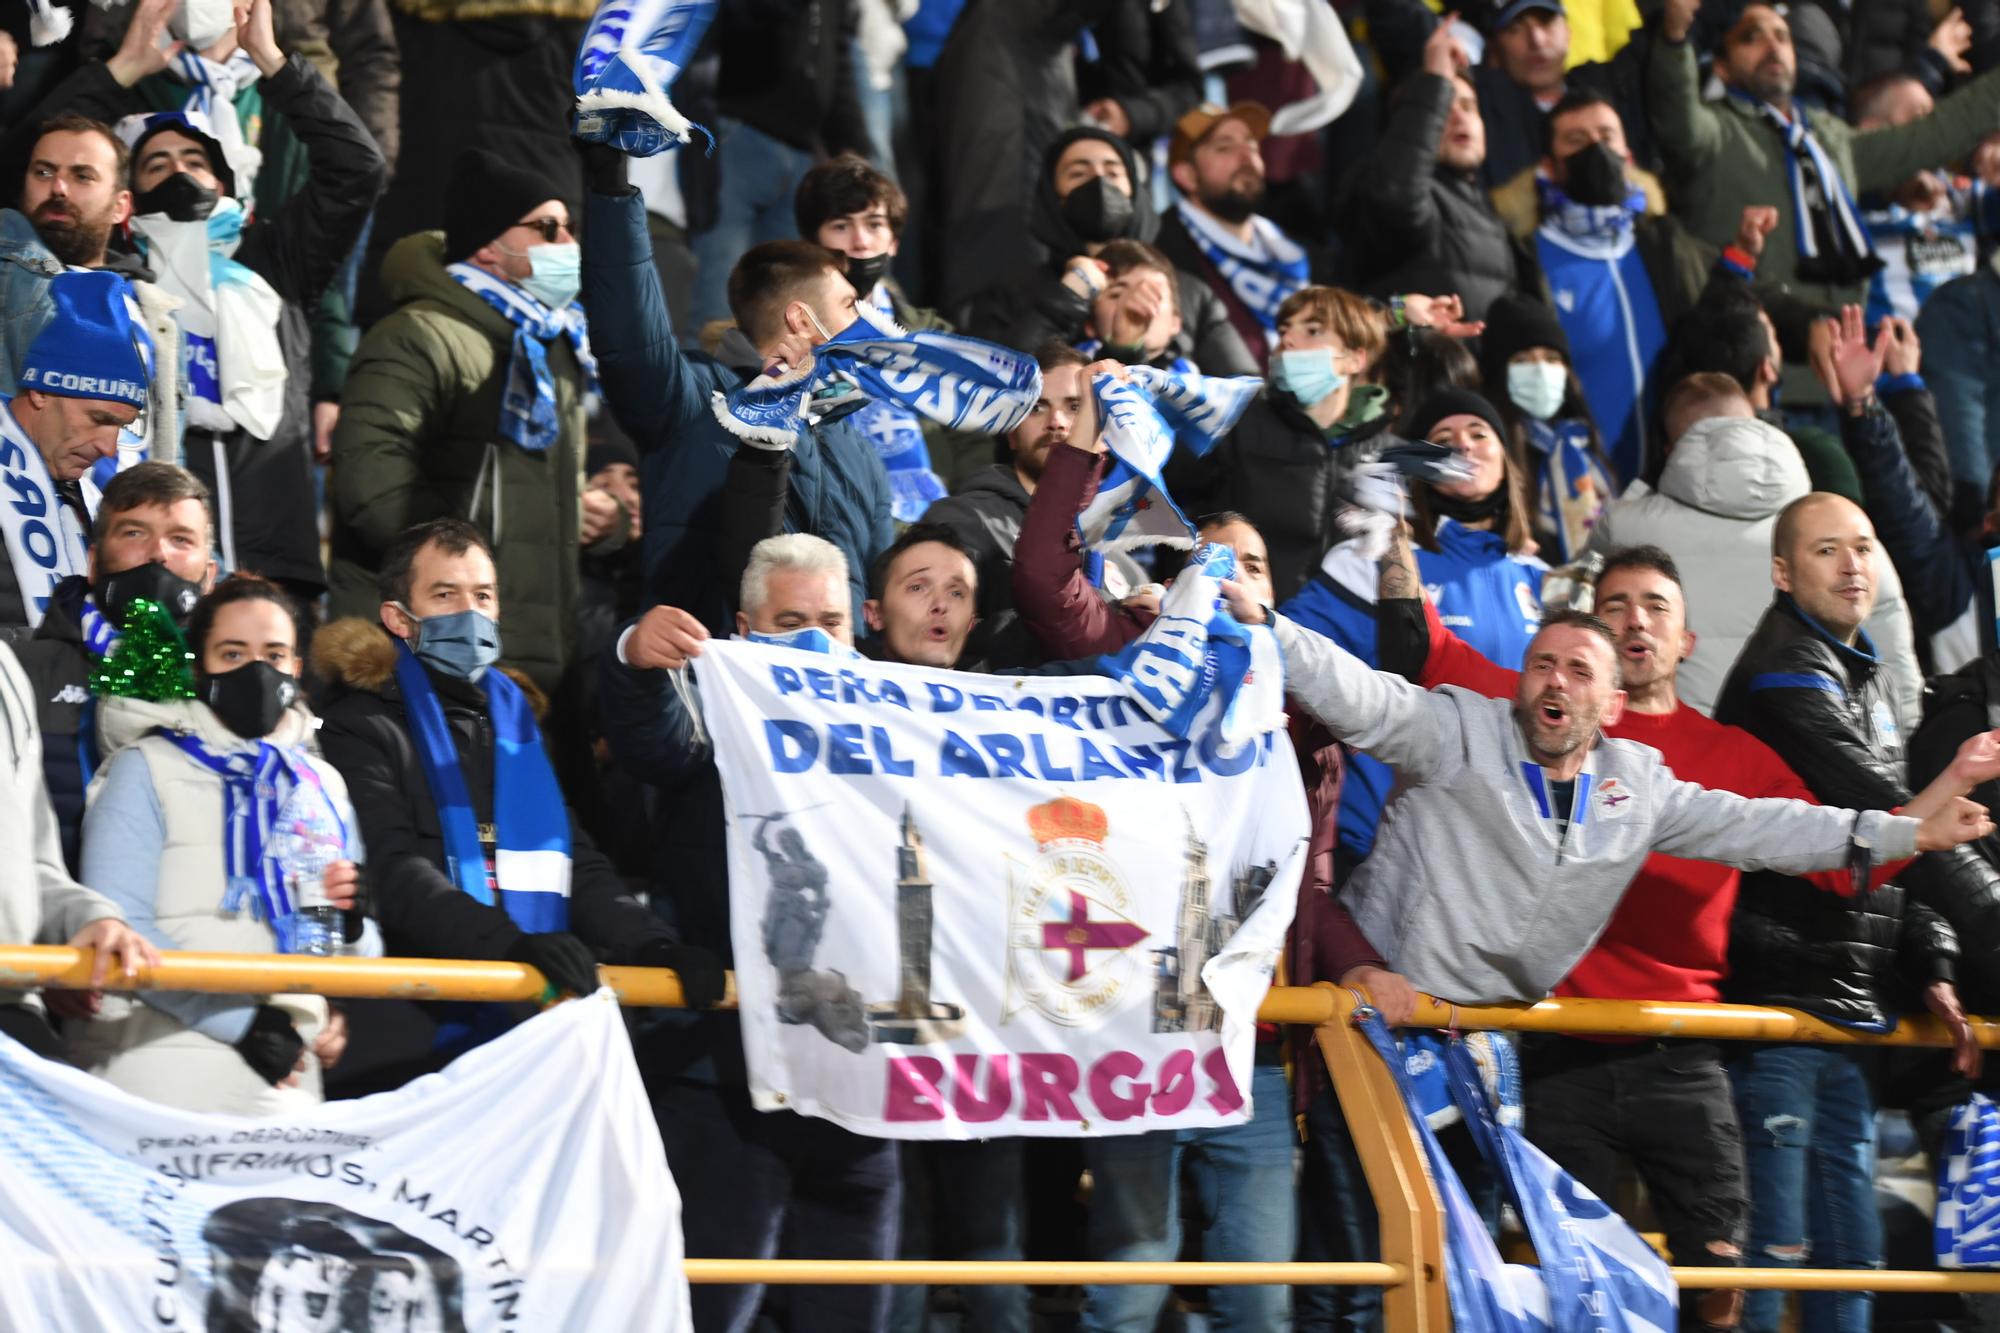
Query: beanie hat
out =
(95, 346)
(1513, 325)
(137, 130)
(486, 195)
(1451, 401)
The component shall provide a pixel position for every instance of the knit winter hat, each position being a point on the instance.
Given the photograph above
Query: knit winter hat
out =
(1514, 324)
(488, 194)
(139, 129)
(1450, 401)
(95, 347)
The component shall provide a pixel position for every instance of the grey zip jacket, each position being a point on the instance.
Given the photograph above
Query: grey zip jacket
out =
(1470, 893)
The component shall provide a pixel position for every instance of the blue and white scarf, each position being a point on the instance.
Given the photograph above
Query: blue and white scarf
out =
(100, 636)
(1140, 419)
(1566, 506)
(47, 540)
(1198, 672)
(1262, 274)
(1601, 224)
(1803, 154)
(212, 89)
(631, 54)
(528, 415)
(959, 382)
(898, 437)
(531, 862)
(265, 826)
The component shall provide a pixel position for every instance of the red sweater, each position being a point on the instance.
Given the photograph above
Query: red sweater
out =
(1669, 938)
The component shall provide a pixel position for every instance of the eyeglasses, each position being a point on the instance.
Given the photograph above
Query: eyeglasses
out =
(550, 228)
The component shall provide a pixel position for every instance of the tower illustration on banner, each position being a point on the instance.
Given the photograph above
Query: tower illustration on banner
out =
(913, 1017)
(1181, 1002)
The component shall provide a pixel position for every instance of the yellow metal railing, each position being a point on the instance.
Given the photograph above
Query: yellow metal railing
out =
(1412, 1269)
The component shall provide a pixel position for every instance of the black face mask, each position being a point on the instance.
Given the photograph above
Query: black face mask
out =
(865, 273)
(180, 196)
(1594, 175)
(1097, 210)
(250, 699)
(115, 593)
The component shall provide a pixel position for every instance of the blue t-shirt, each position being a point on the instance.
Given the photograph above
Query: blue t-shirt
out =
(1489, 598)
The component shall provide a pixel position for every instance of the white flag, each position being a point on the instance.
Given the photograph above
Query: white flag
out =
(966, 906)
(524, 1187)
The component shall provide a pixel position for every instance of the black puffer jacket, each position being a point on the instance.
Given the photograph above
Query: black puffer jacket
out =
(58, 670)
(1279, 470)
(423, 913)
(1415, 225)
(1825, 708)
(1956, 708)
(1033, 306)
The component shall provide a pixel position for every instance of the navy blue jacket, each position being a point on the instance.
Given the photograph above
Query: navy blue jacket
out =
(662, 396)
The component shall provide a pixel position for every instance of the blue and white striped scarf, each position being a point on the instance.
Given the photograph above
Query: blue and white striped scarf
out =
(1141, 418)
(631, 54)
(956, 381)
(528, 402)
(1261, 276)
(263, 786)
(1802, 154)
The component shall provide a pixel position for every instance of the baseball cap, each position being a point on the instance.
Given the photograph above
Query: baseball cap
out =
(1193, 127)
(1515, 8)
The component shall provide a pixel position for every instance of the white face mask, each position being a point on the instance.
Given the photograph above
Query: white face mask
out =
(201, 23)
(1537, 387)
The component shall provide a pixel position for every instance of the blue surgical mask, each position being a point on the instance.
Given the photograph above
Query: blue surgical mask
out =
(461, 644)
(557, 273)
(807, 639)
(1537, 387)
(1307, 374)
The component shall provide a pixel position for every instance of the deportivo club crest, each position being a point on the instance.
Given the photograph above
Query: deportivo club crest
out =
(1072, 945)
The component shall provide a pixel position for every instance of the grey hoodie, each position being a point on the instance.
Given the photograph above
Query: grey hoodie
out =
(1469, 892)
(39, 902)
(1718, 499)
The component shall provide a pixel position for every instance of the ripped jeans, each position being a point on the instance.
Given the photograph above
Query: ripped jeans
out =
(1808, 1115)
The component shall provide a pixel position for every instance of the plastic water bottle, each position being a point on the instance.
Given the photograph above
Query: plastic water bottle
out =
(309, 842)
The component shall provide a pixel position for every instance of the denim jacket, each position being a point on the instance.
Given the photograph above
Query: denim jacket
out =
(25, 310)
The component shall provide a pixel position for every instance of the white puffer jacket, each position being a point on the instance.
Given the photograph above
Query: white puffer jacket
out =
(133, 1044)
(1718, 501)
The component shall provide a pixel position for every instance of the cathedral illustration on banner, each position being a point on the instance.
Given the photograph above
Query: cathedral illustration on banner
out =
(1181, 1002)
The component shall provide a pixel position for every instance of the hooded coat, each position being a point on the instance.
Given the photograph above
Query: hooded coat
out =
(1033, 306)
(1717, 502)
(419, 438)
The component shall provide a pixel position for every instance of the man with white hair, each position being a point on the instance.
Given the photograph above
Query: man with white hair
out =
(752, 1186)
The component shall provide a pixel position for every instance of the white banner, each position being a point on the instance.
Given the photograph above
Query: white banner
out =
(966, 906)
(522, 1188)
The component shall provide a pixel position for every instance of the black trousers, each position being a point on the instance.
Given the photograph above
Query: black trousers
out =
(1665, 1105)
(32, 1030)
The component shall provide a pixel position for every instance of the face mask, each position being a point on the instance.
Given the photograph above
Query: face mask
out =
(809, 639)
(1097, 210)
(250, 700)
(556, 274)
(180, 196)
(115, 593)
(1537, 387)
(1595, 175)
(865, 273)
(201, 23)
(1307, 374)
(460, 644)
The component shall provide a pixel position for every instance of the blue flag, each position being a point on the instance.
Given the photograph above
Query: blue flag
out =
(631, 55)
(1142, 418)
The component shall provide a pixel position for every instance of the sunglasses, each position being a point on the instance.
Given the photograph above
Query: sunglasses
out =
(550, 228)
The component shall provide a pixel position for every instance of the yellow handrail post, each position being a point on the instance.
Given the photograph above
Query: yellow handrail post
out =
(1405, 1199)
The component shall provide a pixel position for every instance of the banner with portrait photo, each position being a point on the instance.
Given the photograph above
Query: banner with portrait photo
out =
(524, 1187)
(966, 906)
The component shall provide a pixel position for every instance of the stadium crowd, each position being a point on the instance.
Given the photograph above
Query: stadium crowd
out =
(328, 351)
